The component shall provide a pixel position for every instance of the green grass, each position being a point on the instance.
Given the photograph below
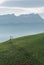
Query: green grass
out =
(27, 50)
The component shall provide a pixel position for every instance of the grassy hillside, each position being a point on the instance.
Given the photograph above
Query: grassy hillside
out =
(27, 50)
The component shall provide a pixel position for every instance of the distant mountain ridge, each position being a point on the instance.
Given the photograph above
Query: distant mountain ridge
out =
(27, 18)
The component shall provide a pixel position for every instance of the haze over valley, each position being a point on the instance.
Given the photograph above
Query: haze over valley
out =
(16, 26)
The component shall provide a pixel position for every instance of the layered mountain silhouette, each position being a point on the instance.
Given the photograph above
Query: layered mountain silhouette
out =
(20, 25)
(27, 18)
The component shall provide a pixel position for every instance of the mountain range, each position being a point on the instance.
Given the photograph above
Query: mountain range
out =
(27, 18)
(20, 25)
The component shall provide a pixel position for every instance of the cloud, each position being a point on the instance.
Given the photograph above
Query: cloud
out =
(19, 7)
(20, 10)
(1, 1)
(24, 3)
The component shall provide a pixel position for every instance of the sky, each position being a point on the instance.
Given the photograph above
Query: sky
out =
(19, 7)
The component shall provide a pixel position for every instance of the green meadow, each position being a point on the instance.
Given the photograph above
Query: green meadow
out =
(26, 50)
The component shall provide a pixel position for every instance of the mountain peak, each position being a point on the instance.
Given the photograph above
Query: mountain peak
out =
(27, 18)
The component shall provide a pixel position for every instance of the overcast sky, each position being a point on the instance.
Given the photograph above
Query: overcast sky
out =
(22, 7)
(24, 3)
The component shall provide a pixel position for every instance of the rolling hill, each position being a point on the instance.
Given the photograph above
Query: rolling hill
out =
(27, 50)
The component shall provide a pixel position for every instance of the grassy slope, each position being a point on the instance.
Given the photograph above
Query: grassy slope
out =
(28, 50)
